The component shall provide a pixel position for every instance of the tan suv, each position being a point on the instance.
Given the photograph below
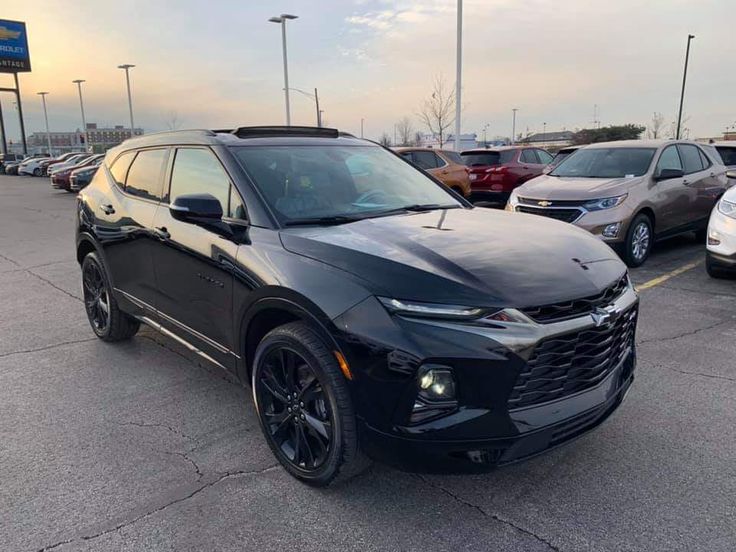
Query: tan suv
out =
(446, 166)
(629, 193)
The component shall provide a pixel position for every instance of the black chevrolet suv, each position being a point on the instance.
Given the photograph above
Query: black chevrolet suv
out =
(374, 313)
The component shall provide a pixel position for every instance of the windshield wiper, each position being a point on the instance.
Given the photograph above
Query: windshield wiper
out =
(420, 207)
(336, 219)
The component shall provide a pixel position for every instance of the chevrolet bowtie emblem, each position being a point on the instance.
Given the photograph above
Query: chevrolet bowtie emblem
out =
(544, 203)
(601, 317)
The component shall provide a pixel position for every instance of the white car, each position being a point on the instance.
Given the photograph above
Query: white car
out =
(68, 163)
(721, 255)
(31, 166)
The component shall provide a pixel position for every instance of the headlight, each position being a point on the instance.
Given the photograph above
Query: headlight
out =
(451, 312)
(728, 208)
(512, 202)
(605, 203)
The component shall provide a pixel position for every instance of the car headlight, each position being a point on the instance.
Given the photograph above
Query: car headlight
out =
(605, 203)
(450, 312)
(512, 202)
(728, 208)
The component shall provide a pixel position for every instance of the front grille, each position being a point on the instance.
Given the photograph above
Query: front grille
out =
(565, 310)
(565, 215)
(570, 363)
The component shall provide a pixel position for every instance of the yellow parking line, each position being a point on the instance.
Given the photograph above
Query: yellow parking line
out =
(661, 279)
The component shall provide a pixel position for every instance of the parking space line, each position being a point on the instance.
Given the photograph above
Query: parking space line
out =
(661, 279)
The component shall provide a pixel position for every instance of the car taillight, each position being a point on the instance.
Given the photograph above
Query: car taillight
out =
(497, 170)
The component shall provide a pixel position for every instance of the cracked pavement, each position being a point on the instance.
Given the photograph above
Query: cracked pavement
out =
(140, 446)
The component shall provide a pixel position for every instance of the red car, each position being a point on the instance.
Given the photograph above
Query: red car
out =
(60, 180)
(495, 172)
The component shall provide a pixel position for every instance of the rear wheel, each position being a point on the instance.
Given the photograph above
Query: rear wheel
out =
(37, 172)
(304, 407)
(639, 240)
(106, 319)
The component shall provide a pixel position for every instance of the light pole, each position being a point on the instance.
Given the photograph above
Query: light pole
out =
(485, 136)
(459, 76)
(46, 117)
(281, 19)
(513, 126)
(682, 93)
(127, 67)
(79, 82)
(544, 133)
(362, 120)
(315, 97)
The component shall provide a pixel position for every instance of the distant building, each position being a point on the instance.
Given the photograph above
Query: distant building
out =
(98, 139)
(467, 141)
(549, 139)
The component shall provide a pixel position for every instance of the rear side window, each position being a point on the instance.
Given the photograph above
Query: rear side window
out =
(669, 159)
(475, 159)
(425, 159)
(527, 156)
(198, 171)
(453, 156)
(728, 154)
(691, 160)
(120, 166)
(145, 174)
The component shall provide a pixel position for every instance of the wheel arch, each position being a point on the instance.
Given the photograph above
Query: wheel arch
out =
(649, 212)
(274, 310)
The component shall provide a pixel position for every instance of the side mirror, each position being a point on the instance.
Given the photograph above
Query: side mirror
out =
(731, 174)
(196, 208)
(667, 174)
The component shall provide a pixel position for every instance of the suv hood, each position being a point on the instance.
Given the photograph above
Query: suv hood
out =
(477, 257)
(571, 188)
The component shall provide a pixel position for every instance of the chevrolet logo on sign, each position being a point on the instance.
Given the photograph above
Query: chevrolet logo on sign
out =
(544, 203)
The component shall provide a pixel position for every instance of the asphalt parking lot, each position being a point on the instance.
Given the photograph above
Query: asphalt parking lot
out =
(140, 446)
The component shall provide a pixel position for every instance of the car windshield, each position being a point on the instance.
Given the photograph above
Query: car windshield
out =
(332, 184)
(606, 163)
(483, 158)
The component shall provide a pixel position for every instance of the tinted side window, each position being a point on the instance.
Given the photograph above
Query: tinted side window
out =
(438, 161)
(704, 159)
(425, 159)
(527, 156)
(669, 159)
(453, 156)
(690, 158)
(197, 171)
(728, 155)
(119, 169)
(145, 174)
(544, 157)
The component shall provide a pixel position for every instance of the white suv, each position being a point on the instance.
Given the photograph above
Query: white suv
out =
(721, 256)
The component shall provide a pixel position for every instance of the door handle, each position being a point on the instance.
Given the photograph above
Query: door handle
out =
(161, 232)
(107, 209)
(686, 182)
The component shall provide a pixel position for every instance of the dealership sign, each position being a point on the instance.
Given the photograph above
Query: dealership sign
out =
(14, 55)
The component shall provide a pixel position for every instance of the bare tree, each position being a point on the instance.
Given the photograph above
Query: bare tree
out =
(684, 129)
(385, 139)
(655, 129)
(438, 111)
(405, 131)
(172, 121)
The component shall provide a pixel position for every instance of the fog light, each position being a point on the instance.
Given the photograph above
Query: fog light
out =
(611, 230)
(714, 238)
(436, 383)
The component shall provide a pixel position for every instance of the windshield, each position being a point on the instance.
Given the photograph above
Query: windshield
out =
(303, 183)
(483, 158)
(606, 163)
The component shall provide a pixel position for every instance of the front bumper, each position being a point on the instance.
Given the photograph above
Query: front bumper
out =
(493, 423)
(724, 228)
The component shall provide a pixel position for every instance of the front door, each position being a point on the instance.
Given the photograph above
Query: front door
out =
(673, 198)
(194, 263)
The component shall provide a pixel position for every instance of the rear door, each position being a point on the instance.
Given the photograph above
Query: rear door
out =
(529, 165)
(193, 263)
(702, 180)
(124, 223)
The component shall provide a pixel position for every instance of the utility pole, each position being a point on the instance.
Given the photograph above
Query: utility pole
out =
(513, 126)
(459, 76)
(319, 113)
(46, 117)
(682, 93)
(544, 133)
(361, 126)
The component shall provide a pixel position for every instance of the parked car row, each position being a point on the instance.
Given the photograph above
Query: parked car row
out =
(69, 171)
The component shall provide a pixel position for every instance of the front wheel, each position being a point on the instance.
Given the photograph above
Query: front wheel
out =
(108, 322)
(36, 172)
(639, 240)
(304, 407)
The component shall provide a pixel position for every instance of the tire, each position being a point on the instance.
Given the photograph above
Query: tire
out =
(713, 270)
(105, 317)
(37, 172)
(639, 241)
(314, 439)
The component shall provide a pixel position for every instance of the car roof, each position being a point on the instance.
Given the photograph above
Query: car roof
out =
(721, 144)
(638, 143)
(245, 136)
(497, 148)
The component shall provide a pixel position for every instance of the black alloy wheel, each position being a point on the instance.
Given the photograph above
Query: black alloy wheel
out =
(304, 407)
(96, 298)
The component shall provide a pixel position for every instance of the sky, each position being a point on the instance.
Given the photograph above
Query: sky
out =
(218, 64)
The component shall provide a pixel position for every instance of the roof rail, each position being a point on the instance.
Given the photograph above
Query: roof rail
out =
(204, 131)
(273, 131)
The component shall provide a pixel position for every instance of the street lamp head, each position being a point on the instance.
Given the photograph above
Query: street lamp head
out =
(41, 93)
(289, 16)
(691, 36)
(125, 66)
(275, 19)
(78, 81)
